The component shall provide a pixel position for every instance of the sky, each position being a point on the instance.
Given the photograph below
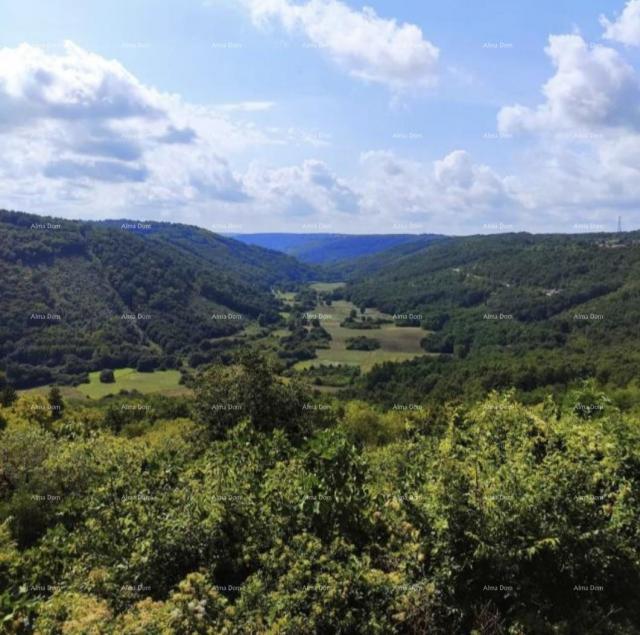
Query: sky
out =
(421, 116)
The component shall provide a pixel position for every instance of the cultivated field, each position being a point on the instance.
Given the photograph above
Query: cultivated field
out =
(397, 344)
(162, 381)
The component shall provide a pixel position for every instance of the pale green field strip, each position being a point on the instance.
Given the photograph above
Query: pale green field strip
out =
(160, 381)
(397, 344)
(286, 296)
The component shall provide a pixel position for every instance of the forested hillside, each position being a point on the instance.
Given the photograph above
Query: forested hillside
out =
(405, 498)
(80, 296)
(253, 264)
(509, 310)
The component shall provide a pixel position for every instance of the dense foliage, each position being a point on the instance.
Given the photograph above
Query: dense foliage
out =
(491, 487)
(362, 343)
(77, 297)
(510, 310)
(321, 519)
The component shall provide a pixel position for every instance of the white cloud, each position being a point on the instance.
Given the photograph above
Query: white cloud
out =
(626, 28)
(86, 138)
(307, 189)
(246, 106)
(83, 137)
(76, 86)
(367, 46)
(452, 194)
(87, 135)
(583, 156)
(593, 87)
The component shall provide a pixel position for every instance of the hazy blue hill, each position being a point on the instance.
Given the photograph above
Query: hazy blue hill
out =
(332, 248)
(372, 264)
(66, 285)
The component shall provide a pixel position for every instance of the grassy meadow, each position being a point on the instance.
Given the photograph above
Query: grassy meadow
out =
(396, 343)
(160, 381)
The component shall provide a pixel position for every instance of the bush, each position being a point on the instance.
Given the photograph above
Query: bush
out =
(147, 364)
(364, 425)
(362, 343)
(251, 390)
(55, 402)
(107, 376)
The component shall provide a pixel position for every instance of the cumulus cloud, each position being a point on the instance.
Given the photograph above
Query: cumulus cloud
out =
(310, 188)
(626, 28)
(450, 194)
(566, 184)
(75, 86)
(211, 177)
(365, 45)
(81, 136)
(76, 123)
(453, 194)
(593, 87)
(583, 156)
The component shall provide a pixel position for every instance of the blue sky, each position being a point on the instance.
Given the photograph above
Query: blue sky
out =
(321, 115)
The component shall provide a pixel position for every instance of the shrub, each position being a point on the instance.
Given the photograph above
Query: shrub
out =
(147, 364)
(362, 343)
(107, 376)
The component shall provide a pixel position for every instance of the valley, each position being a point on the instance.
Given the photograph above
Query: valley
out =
(191, 421)
(320, 317)
(396, 343)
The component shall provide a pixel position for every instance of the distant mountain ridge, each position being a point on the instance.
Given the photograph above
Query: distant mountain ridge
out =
(325, 249)
(77, 296)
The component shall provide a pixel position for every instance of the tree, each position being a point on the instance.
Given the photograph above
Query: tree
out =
(107, 376)
(147, 364)
(7, 392)
(8, 395)
(251, 389)
(55, 402)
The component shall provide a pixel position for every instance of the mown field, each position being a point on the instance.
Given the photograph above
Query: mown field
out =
(396, 343)
(160, 381)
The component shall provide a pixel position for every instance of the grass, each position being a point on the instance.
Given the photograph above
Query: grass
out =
(397, 344)
(286, 296)
(67, 392)
(163, 381)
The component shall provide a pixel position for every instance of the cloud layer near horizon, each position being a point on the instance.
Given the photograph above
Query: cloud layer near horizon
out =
(84, 137)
